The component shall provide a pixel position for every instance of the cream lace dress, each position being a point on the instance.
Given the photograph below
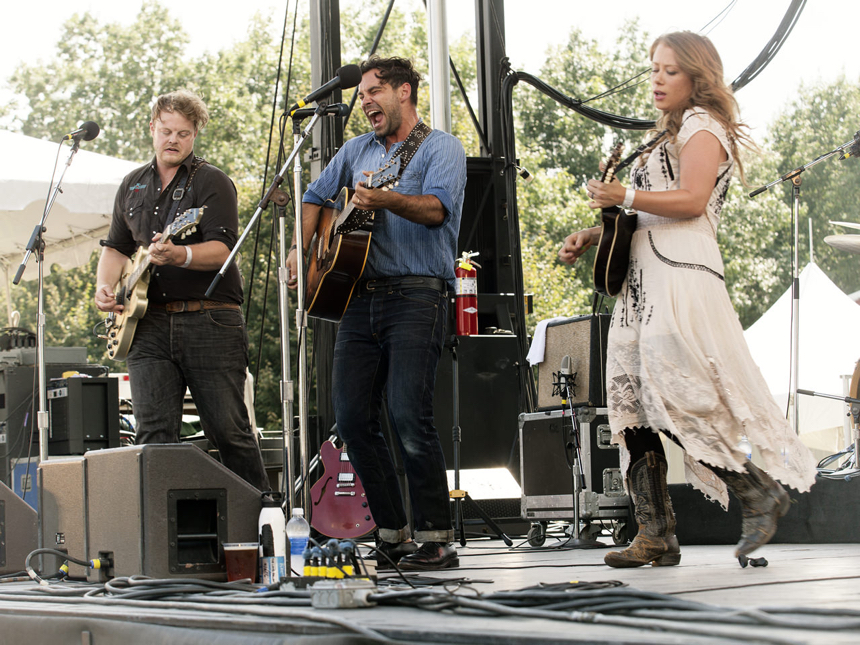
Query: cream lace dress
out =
(677, 359)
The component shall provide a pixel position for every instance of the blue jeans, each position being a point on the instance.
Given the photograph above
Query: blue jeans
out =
(389, 343)
(207, 351)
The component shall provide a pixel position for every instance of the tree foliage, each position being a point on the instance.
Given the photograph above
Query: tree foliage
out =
(114, 72)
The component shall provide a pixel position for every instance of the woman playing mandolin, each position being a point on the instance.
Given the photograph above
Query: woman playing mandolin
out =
(677, 362)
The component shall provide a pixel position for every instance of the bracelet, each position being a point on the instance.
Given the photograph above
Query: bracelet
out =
(628, 198)
(188, 256)
(293, 248)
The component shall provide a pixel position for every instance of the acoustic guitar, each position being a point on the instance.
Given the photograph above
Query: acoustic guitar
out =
(132, 287)
(339, 502)
(616, 233)
(339, 249)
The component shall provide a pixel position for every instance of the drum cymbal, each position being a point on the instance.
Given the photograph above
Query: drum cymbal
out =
(850, 243)
(846, 224)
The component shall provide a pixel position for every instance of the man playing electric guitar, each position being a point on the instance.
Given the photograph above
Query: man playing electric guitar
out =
(184, 339)
(390, 338)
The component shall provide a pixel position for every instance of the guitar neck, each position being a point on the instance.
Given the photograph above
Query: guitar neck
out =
(135, 276)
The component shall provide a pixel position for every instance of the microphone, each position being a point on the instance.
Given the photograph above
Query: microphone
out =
(335, 109)
(564, 372)
(347, 76)
(88, 131)
(854, 150)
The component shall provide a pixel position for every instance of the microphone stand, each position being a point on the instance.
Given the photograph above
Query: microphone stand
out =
(575, 541)
(286, 386)
(796, 180)
(37, 245)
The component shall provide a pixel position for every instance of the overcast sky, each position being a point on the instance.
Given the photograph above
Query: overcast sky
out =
(821, 47)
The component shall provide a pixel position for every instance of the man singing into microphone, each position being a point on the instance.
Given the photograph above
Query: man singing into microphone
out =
(184, 339)
(390, 339)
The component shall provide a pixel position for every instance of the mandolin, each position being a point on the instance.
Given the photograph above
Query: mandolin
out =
(616, 234)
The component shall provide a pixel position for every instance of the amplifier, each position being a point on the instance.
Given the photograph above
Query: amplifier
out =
(84, 415)
(546, 477)
(583, 339)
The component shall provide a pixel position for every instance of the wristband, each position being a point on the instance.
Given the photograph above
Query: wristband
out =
(293, 248)
(188, 256)
(629, 196)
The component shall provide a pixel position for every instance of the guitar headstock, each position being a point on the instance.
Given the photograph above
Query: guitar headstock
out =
(184, 224)
(612, 162)
(386, 176)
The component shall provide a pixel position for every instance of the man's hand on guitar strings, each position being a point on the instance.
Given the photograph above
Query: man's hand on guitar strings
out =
(106, 299)
(165, 253)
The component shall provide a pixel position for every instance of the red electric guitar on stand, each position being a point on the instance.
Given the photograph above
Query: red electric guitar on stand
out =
(338, 501)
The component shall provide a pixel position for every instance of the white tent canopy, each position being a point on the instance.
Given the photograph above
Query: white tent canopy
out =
(80, 215)
(829, 348)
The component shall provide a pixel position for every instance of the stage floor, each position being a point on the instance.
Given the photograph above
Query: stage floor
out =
(814, 586)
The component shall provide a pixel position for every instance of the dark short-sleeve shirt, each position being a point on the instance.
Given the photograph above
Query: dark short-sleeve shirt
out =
(142, 208)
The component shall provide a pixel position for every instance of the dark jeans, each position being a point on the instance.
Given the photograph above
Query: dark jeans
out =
(207, 351)
(389, 343)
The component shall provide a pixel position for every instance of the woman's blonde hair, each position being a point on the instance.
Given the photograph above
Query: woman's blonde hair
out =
(699, 60)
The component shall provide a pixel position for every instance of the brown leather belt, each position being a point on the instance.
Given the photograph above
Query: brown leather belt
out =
(181, 306)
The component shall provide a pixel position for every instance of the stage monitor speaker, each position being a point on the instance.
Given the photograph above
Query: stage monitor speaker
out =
(583, 338)
(163, 510)
(160, 510)
(62, 486)
(18, 531)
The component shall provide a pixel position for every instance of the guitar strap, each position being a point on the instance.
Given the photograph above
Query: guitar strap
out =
(411, 144)
(183, 187)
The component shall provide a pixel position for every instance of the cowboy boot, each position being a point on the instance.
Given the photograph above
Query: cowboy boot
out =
(655, 543)
(763, 502)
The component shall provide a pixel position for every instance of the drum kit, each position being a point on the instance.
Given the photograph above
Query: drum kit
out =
(849, 243)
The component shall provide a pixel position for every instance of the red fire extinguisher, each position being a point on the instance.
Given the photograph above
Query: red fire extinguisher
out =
(466, 294)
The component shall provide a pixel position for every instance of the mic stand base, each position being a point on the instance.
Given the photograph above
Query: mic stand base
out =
(582, 543)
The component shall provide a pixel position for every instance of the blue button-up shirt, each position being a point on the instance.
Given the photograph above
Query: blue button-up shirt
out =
(399, 247)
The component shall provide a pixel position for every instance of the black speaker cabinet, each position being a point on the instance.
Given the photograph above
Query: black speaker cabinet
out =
(84, 415)
(157, 510)
(488, 397)
(583, 339)
(18, 407)
(18, 531)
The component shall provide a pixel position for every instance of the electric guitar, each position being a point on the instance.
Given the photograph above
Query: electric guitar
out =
(132, 287)
(339, 249)
(616, 233)
(339, 502)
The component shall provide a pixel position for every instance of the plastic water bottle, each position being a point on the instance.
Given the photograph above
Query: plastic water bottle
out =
(298, 533)
(273, 540)
(745, 446)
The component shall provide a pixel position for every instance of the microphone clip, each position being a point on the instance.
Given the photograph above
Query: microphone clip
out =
(564, 385)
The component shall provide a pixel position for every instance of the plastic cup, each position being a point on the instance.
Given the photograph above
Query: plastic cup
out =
(241, 560)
